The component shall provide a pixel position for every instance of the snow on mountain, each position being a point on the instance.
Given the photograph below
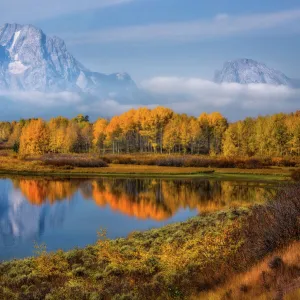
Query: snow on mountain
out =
(246, 71)
(33, 61)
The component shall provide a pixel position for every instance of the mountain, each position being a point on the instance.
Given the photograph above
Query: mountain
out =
(245, 71)
(32, 61)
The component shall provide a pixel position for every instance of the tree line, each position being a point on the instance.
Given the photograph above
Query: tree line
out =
(158, 130)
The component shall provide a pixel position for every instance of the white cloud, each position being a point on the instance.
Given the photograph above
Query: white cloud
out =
(15, 105)
(219, 26)
(42, 100)
(195, 95)
(32, 10)
(185, 95)
(106, 107)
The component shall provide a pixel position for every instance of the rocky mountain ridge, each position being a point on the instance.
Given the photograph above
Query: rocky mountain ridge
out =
(33, 61)
(248, 71)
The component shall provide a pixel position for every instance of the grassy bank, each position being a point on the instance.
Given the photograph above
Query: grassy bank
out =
(10, 164)
(277, 276)
(178, 261)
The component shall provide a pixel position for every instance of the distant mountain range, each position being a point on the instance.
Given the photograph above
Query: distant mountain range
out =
(33, 61)
(246, 71)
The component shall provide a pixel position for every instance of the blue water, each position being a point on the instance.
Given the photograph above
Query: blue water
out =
(68, 213)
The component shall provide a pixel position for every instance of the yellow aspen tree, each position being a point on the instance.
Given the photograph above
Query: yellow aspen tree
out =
(99, 134)
(34, 139)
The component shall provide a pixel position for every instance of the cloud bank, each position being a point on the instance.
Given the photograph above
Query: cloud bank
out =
(219, 26)
(17, 105)
(195, 95)
(184, 95)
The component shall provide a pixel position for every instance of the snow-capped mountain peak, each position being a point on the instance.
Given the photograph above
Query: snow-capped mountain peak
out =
(32, 61)
(246, 71)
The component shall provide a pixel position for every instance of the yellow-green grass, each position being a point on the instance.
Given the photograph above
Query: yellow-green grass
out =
(13, 165)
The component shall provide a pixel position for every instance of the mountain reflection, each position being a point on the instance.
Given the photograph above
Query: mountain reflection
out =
(156, 199)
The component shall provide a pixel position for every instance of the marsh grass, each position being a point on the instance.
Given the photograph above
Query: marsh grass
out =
(296, 175)
(80, 161)
(10, 163)
(201, 161)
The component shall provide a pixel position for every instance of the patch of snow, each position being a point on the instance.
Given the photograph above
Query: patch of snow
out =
(94, 79)
(16, 68)
(247, 71)
(82, 81)
(121, 76)
(16, 36)
(16, 57)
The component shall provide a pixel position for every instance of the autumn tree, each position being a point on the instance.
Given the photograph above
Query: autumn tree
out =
(157, 130)
(57, 129)
(5, 131)
(99, 134)
(34, 138)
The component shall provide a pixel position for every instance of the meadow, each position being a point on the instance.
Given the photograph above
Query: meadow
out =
(160, 165)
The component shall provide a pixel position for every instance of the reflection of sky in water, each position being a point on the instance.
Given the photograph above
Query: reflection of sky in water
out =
(66, 214)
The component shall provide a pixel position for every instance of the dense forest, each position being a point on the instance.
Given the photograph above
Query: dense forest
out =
(159, 130)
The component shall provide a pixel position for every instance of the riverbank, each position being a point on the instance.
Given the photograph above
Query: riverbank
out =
(14, 166)
(176, 261)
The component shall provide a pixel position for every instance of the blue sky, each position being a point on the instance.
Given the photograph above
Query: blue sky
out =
(148, 52)
(170, 45)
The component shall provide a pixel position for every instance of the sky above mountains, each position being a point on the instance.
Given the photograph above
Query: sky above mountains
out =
(175, 43)
(149, 38)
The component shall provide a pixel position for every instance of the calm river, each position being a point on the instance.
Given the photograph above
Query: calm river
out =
(68, 213)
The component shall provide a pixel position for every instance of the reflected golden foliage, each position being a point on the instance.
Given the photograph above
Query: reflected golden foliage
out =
(144, 206)
(156, 199)
(38, 192)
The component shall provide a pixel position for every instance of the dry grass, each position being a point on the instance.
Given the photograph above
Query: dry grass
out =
(73, 161)
(296, 175)
(10, 163)
(201, 161)
(263, 281)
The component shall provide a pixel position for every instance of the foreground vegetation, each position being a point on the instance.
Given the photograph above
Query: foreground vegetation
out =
(275, 277)
(177, 261)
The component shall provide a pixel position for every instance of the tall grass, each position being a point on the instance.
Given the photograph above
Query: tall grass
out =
(200, 161)
(277, 275)
(296, 175)
(73, 161)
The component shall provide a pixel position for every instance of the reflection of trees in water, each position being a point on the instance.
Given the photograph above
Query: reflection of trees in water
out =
(39, 191)
(157, 199)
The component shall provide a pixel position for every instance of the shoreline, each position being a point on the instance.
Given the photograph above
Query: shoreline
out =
(150, 171)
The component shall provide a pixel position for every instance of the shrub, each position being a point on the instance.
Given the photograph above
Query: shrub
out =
(194, 161)
(283, 162)
(296, 175)
(170, 162)
(73, 161)
(79, 272)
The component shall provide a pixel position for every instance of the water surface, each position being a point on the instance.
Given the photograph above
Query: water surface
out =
(68, 213)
